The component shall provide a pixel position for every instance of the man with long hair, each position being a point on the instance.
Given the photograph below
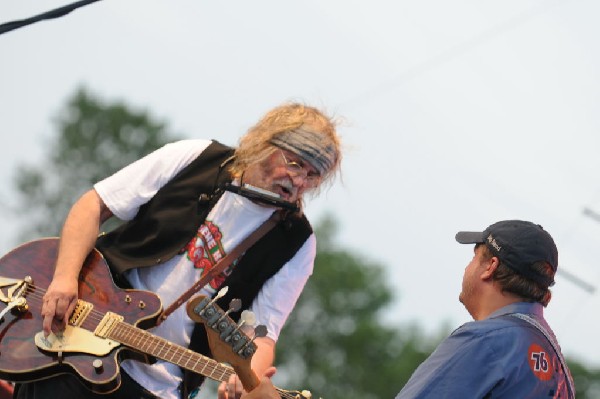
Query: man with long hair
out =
(181, 218)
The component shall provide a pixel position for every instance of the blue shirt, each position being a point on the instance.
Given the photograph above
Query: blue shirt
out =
(498, 357)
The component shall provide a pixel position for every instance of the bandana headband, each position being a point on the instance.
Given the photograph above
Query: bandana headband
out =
(315, 148)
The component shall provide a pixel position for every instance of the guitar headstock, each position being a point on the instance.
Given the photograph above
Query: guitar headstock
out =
(228, 343)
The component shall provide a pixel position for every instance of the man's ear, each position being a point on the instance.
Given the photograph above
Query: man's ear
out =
(490, 267)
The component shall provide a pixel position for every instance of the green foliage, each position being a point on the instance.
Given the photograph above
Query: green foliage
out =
(335, 343)
(92, 140)
(587, 380)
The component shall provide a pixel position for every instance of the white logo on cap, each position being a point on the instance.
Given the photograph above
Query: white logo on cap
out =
(493, 243)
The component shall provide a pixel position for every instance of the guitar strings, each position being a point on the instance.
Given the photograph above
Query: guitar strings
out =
(124, 331)
(133, 335)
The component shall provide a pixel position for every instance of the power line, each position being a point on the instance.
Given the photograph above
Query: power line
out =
(453, 53)
(56, 13)
(591, 214)
(584, 285)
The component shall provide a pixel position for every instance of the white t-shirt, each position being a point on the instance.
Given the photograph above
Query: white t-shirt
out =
(231, 220)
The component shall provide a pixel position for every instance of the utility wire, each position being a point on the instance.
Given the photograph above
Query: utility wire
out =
(591, 214)
(56, 13)
(452, 53)
(584, 285)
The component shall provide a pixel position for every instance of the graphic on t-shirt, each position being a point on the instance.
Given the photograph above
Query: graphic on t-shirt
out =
(540, 362)
(205, 250)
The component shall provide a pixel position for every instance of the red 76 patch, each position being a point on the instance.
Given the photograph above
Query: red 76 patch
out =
(540, 362)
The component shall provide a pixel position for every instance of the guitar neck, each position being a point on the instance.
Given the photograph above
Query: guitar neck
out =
(150, 344)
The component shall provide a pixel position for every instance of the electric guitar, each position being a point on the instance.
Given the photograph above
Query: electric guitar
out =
(106, 327)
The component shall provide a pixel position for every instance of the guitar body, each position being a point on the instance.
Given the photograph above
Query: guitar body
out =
(20, 358)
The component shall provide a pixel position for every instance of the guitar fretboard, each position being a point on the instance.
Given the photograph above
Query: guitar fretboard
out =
(145, 342)
(161, 348)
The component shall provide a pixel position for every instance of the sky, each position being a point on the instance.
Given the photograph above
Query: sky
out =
(453, 115)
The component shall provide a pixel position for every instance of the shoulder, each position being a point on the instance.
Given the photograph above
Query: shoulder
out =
(298, 222)
(503, 336)
(177, 155)
(480, 345)
(292, 232)
(489, 328)
(191, 146)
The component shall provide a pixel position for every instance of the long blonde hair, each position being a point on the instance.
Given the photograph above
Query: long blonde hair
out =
(255, 145)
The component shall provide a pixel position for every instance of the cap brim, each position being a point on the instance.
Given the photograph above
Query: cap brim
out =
(470, 237)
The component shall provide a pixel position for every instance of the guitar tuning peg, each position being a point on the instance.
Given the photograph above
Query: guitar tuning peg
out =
(235, 305)
(260, 331)
(221, 293)
(247, 317)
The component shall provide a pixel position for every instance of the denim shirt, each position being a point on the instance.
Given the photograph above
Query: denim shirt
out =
(498, 357)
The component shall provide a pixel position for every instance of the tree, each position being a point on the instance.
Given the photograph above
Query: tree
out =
(587, 379)
(93, 140)
(335, 343)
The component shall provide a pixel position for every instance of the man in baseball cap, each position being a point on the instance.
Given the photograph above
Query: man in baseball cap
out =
(519, 244)
(509, 350)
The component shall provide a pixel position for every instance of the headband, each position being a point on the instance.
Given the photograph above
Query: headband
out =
(315, 148)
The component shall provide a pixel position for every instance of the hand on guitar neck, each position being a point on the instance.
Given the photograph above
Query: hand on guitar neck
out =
(264, 390)
(229, 344)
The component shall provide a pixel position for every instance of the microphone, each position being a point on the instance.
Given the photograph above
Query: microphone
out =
(259, 195)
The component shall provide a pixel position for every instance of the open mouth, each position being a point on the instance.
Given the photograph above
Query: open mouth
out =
(285, 191)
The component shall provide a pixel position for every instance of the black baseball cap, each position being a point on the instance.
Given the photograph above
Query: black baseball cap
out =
(518, 244)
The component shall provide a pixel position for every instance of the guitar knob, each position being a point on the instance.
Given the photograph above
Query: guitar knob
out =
(98, 365)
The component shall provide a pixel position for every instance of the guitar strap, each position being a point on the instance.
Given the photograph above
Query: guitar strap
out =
(223, 264)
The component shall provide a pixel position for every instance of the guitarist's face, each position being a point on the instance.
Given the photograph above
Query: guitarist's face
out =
(282, 173)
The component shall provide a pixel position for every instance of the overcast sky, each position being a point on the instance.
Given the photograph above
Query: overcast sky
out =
(456, 115)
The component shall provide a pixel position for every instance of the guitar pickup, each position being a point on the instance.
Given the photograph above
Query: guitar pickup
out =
(80, 313)
(107, 324)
